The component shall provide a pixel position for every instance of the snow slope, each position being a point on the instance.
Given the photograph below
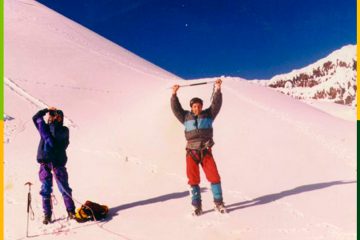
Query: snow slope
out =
(288, 170)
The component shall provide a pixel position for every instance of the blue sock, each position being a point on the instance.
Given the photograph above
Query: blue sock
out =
(217, 192)
(195, 195)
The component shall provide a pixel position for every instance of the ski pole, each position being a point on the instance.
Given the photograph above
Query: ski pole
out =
(29, 208)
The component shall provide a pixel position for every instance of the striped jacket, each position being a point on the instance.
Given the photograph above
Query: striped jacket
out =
(198, 129)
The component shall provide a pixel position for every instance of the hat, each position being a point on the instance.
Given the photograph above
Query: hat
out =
(196, 100)
(58, 115)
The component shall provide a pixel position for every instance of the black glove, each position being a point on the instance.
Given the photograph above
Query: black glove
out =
(43, 112)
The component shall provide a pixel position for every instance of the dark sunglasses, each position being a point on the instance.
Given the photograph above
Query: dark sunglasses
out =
(53, 113)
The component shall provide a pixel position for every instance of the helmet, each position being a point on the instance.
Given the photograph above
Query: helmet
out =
(196, 100)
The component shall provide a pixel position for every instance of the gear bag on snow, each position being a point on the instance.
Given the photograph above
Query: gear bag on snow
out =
(91, 211)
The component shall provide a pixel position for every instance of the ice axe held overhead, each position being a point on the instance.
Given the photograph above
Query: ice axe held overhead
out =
(216, 86)
(197, 84)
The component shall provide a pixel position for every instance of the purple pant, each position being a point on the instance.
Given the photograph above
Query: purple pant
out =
(61, 177)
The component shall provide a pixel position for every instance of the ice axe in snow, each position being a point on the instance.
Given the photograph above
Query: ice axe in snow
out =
(29, 209)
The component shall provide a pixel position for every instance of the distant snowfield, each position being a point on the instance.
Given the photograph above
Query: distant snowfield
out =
(288, 169)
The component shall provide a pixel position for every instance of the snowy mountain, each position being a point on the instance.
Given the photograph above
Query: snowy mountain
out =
(288, 170)
(331, 79)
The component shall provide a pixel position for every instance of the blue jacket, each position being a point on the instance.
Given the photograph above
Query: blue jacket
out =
(198, 129)
(54, 139)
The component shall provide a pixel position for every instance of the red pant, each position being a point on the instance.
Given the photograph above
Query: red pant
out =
(209, 166)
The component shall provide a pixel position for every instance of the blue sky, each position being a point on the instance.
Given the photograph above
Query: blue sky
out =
(208, 38)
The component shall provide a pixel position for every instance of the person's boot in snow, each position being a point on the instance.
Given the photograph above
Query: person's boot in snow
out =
(47, 219)
(220, 207)
(197, 210)
(71, 214)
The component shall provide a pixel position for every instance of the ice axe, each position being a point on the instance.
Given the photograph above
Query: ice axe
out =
(29, 209)
(195, 84)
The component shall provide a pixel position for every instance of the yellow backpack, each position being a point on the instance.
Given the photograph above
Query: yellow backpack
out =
(91, 211)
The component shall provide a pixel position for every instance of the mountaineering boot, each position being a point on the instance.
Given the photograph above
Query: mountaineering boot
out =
(220, 207)
(197, 210)
(47, 219)
(71, 214)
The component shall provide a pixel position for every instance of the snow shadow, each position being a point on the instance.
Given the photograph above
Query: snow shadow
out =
(276, 196)
(171, 196)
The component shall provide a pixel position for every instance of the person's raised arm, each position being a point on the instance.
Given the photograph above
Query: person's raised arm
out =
(217, 99)
(39, 116)
(40, 124)
(176, 107)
